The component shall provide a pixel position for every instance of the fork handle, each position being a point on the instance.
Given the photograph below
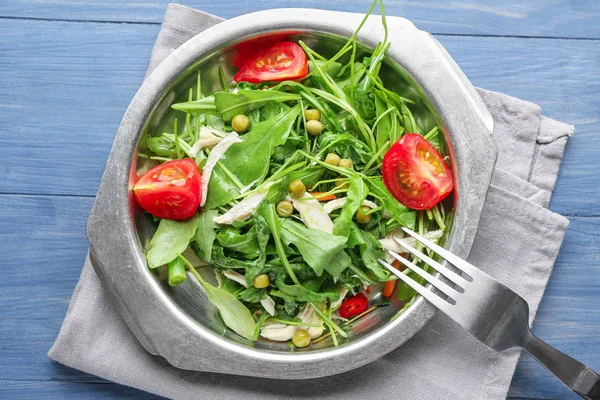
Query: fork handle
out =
(577, 376)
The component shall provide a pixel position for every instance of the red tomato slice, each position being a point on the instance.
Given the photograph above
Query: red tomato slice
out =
(171, 190)
(353, 306)
(279, 62)
(415, 173)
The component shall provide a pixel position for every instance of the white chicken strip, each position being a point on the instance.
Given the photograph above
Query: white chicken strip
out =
(214, 156)
(268, 303)
(312, 212)
(242, 210)
(208, 138)
(336, 204)
(281, 332)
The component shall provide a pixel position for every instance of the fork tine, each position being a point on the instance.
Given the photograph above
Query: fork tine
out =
(431, 297)
(454, 260)
(447, 272)
(442, 286)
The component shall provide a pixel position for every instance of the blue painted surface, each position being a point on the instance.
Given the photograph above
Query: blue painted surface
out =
(66, 80)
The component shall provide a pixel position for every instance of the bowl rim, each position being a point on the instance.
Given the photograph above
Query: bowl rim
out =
(113, 241)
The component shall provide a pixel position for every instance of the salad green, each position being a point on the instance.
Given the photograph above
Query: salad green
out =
(285, 255)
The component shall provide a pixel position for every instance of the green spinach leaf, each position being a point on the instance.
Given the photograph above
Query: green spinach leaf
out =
(357, 193)
(171, 239)
(205, 234)
(399, 211)
(321, 250)
(233, 312)
(243, 243)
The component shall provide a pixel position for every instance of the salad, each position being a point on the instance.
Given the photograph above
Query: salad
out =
(289, 184)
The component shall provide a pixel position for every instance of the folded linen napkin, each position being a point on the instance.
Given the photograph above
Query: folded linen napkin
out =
(517, 242)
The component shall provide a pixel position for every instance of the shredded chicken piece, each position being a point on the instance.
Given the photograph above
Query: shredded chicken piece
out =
(244, 209)
(268, 303)
(312, 212)
(388, 242)
(336, 204)
(281, 332)
(209, 137)
(214, 156)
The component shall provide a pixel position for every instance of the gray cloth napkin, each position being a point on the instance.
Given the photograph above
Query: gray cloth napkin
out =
(517, 242)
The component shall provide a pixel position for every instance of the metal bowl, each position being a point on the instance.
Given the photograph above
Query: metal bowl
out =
(179, 324)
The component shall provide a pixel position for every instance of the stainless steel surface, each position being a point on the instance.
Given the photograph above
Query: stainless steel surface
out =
(179, 324)
(491, 312)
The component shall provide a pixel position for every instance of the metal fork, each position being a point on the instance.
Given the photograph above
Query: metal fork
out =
(491, 312)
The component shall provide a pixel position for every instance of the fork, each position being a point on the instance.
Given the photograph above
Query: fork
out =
(490, 311)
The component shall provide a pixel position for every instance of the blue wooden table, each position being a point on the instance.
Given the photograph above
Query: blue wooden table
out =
(69, 69)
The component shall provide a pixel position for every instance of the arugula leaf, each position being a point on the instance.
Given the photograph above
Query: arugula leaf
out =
(272, 109)
(321, 250)
(230, 104)
(385, 126)
(369, 249)
(221, 189)
(399, 211)
(346, 145)
(262, 238)
(245, 244)
(205, 234)
(252, 294)
(298, 292)
(162, 146)
(249, 160)
(170, 239)
(346, 81)
(332, 69)
(357, 193)
(205, 105)
(233, 312)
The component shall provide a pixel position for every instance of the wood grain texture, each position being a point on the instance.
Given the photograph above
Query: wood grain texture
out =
(550, 18)
(36, 390)
(68, 84)
(44, 247)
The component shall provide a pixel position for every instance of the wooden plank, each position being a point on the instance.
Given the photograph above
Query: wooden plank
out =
(484, 17)
(569, 316)
(44, 247)
(67, 86)
(44, 390)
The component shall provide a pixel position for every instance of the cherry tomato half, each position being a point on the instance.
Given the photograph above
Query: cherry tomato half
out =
(281, 61)
(415, 173)
(171, 190)
(353, 306)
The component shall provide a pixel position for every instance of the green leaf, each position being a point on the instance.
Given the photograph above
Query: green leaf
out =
(249, 160)
(221, 189)
(357, 193)
(332, 68)
(369, 249)
(252, 294)
(171, 239)
(346, 145)
(233, 312)
(205, 234)
(272, 109)
(346, 81)
(230, 104)
(402, 214)
(245, 244)
(205, 105)
(321, 250)
(385, 125)
(162, 146)
(316, 293)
